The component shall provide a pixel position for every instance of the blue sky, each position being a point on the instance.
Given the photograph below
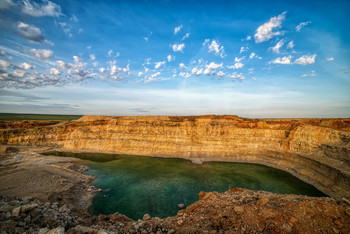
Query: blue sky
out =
(274, 59)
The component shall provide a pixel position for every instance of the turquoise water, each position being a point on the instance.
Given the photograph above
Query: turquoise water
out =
(136, 185)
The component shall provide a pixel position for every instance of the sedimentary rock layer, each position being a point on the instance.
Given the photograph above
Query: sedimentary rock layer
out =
(315, 150)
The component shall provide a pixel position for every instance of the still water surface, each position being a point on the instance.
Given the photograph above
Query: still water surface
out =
(136, 185)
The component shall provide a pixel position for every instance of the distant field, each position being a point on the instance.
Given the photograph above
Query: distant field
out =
(10, 116)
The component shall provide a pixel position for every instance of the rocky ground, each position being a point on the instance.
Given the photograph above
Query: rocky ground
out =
(45, 194)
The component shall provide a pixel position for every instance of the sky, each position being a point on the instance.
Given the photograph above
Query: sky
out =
(257, 59)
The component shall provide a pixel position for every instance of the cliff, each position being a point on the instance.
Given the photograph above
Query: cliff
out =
(315, 150)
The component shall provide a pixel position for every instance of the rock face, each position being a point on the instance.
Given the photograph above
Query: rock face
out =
(315, 150)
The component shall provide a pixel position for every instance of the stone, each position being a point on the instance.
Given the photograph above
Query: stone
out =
(146, 217)
(8, 215)
(43, 231)
(21, 224)
(29, 207)
(59, 230)
(171, 231)
(181, 205)
(262, 201)
(16, 211)
(64, 209)
(6, 208)
(239, 209)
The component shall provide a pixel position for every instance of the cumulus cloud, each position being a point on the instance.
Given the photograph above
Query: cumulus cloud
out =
(283, 60)
(305, 60)
(152, 78)
(62, 65)
(290, 45)
(239, 76)
(254, 55)
(47, 8)
(310, 74)
(236, 66)
(41, 54)
(19, 73)
(238, 60)
(197, 72)
(186, 36)
(139, 74)
(4, 64)
(92, 57)
(330, 59)
(217, 49)
(248, 38)
(30, 32)
(266, 31)
(301, 25)
(220, 74)
(210, 69)
(55, 71)
(170, 58)
(178, 29)
(182, 66)
(102, 69)
(178, 47)
(159, 64)
(243, 49)
(185, 74)
(276, 48)
(25, 66)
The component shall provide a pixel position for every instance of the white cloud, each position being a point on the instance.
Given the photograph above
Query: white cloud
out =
(178, 29)
(102, 69)
(236, 66)
(243, 49)
(2, 52)
(46, 9)
(239, 76)
(301, 25)
(95, 64)
(182, 66)
(276, 48)
(62, 65)
(238, 60)
(310, 74)
(146, 39)
(211, 68)
(19, 73)
(220, 74)
(55, 71)
(185, 74)
(170, 58)
(216, 48)
(186, 36)
(41, 54)
(284, 60)
(213, 65)
(30, 32)
(196, 71)
(330, 59)
(265, 32)
(110, 52)
(305, 60)
(206, 41)
(254, 55)
(248, 38)
(158, 64)
(178, 47)
(92, 57)
(152, 78)
(140, 74)
(25, 66)
(4, 64)
(126, 69)
(290, 45)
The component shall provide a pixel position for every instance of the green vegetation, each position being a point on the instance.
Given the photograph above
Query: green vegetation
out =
(12, 116)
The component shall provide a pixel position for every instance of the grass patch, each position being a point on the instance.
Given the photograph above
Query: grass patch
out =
(12, 116)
